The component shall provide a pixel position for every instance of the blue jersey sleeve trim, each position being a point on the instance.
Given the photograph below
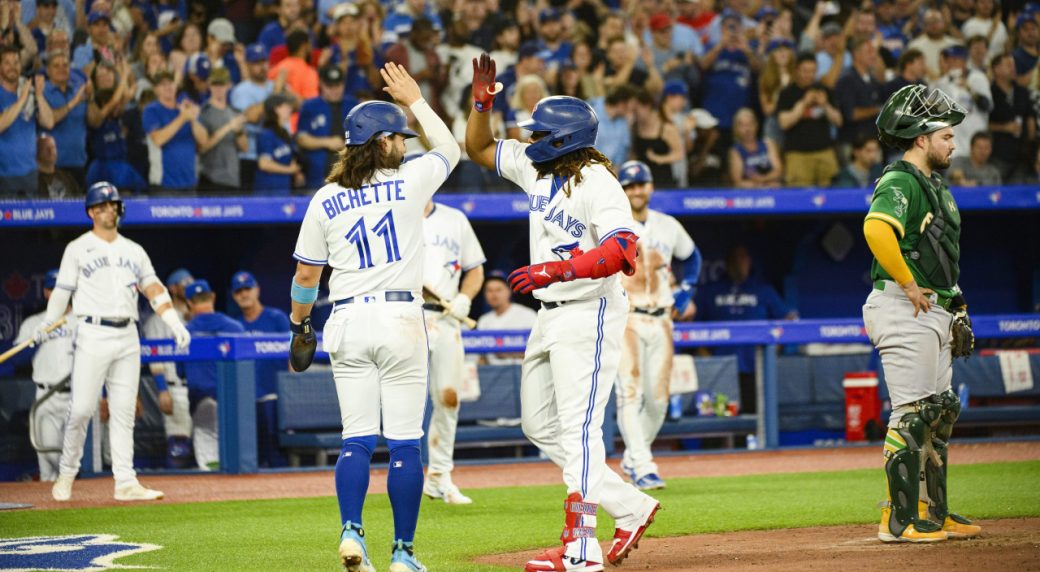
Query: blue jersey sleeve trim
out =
(613, 232)
(447, 165)
(65, 287)
(498, 158)
(310, 261)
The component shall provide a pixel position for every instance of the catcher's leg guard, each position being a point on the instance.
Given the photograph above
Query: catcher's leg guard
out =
(900, 521)
(937, 509)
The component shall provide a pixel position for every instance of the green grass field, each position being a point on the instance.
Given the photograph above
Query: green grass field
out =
(302, 534)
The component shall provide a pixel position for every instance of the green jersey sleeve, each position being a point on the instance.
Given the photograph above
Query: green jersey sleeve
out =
(891, 201)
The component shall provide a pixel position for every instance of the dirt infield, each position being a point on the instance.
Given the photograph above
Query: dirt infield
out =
(1008, 544)
(200, 488)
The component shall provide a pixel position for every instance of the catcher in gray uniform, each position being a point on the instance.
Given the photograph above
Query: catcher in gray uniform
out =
(916, 315)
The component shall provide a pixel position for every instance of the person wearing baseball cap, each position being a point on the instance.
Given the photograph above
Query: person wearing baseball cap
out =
(248, 97)
(221, 46)
(972, 91)
(202, 375)
(347, 42)
(318, 126)
(173, 127)
(219, 155)
(259, 319)
(550, 30)
(196, 77)
(504, 314)
(100, 42)
(530, 60)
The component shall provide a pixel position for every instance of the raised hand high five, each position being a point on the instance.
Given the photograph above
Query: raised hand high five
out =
(484, 85)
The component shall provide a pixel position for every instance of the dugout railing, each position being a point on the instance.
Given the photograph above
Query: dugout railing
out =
(235, 357)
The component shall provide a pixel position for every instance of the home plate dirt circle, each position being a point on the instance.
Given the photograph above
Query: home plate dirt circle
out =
(1005, 544)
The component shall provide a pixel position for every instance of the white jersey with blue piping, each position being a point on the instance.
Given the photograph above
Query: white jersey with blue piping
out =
(595, 210)
(661, 238)
(104, 277)
(372, 237)
(452, 248)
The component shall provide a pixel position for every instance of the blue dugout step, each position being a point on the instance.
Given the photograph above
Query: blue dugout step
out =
(231, 211)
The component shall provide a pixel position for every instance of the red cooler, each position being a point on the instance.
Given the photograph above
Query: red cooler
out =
(862, 405)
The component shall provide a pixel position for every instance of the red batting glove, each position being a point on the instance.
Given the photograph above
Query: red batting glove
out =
(528, 278)
(484, 85)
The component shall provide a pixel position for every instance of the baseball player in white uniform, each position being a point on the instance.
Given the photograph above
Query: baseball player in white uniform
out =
(581, 237)
(646, 356)
(367, 224)
(103, 272)
(52, 367)
(174, 402)
(453, 270)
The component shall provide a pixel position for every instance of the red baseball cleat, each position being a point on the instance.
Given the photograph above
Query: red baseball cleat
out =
(554, 560)
(625, 541)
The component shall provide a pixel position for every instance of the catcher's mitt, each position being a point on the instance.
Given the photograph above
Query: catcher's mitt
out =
(962, 342)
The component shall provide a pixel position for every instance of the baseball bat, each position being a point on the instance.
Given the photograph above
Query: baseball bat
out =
(429, 293)
(27, 343)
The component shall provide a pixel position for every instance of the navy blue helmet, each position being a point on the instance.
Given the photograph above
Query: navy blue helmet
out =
(568, 123)
(373, 118)
(104, 192)
(634, 173)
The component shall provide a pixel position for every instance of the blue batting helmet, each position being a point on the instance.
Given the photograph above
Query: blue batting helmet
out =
(569, 124)
(373, 118)
(634, 173)
(104, 192)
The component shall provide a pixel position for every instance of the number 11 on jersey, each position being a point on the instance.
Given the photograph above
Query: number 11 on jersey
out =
(358, 234)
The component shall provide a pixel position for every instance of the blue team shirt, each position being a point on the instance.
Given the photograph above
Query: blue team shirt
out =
(202, 375)
(270, 321)
(272, 36)
(243, 96)
(316, 119)
(270, 144)
(727, 85)
(18, 141)
(751, 300)
(108, 141)
(70, 134)
(178, 155)
(614, 137)
(356, 79)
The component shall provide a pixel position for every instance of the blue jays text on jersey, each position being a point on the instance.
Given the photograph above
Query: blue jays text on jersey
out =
(103, 262)
(563, 220)
(381, 191)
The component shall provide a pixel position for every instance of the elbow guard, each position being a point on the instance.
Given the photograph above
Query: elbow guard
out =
(618, 253)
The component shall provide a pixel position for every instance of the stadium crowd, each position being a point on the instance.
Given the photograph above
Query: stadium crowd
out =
(191, 97)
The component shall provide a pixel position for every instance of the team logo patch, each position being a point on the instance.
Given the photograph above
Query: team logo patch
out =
(75, 552)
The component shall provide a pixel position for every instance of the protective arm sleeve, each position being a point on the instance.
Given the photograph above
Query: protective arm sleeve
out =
(881, 238)
(618, 253)
(437, 133)
(57, 305)
(692, 268)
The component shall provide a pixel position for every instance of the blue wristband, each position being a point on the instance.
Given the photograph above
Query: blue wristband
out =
(160, 382)
(302, 295)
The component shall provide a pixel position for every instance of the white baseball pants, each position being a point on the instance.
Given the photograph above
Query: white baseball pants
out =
(568, 372)
(642, 392)
(446, 363)
(380, 361)
(109, 356)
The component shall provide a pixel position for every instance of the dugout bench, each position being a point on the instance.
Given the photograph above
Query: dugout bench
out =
(309, 420)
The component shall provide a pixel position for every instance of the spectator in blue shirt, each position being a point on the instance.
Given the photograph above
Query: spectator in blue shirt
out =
(727, 73)
(352, 51)
(1027, 52)
(274, 33)
(248, 99)
(398, 23)
(202, 376)
(18, 126)
(107, 131)
(100, 44)
(739, 296)
(45, 16)
(173, 130)
(277, 170)
(66, 93)
(550, 30)
(320, 126)
(614, 138)
(260, 319)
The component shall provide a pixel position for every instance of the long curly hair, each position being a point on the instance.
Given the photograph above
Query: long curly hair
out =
(358, 163)
(569, 166)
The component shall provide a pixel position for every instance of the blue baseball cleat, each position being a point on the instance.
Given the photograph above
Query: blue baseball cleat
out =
(352, 552)
(403, 559)
(649, 482)
(629, 472)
